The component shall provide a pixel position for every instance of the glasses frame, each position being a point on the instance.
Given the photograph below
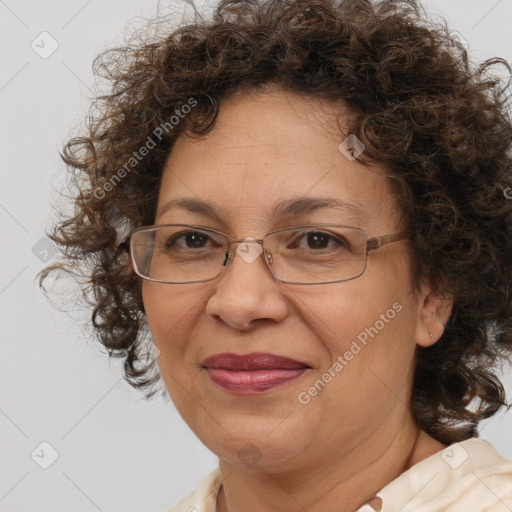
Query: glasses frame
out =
(372, 244)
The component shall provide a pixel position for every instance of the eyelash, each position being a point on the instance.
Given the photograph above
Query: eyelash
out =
(171, 241)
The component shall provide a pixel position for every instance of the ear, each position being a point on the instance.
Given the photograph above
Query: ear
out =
(434, 309)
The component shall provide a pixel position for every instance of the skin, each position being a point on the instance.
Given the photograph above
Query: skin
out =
(358, 433)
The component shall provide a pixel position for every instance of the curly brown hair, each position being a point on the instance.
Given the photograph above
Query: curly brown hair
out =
(438, 123)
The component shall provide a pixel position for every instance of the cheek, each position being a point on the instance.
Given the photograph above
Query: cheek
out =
(173, 313)
(171, 317)
(168, 312)
(368, 322)
(368, 345)
(156, 311)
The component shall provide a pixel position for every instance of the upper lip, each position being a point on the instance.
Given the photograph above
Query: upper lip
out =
(255, 361)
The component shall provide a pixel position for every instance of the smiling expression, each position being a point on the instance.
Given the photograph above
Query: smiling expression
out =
(265, 153)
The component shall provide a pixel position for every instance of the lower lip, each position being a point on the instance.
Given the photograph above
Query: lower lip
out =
(252, 382)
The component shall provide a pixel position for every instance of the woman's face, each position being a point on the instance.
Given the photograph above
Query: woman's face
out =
(266, 149)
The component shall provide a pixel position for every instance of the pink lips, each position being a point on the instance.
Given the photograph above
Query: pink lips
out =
(252, 373)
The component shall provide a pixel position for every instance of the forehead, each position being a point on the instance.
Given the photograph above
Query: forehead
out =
(272, 156)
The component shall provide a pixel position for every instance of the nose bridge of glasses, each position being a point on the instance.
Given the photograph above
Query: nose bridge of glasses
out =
(267, 255)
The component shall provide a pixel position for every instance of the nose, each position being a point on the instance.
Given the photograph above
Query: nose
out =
(246, 291)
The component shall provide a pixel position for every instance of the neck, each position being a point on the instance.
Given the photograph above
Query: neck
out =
(348, 478)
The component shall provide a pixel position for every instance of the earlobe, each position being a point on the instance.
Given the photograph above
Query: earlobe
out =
(435, 310)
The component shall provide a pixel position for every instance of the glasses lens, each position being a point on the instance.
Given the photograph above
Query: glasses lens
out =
(178, 253)
(317, 254)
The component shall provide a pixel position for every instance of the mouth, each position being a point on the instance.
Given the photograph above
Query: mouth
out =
(252, 373)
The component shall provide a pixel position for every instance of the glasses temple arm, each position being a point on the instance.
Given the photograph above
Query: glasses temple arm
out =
(379, 241)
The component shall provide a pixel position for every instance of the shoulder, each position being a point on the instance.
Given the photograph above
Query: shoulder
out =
(204, 497)
(469, 475)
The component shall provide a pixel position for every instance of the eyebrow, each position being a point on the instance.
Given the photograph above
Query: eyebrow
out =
(286, 208)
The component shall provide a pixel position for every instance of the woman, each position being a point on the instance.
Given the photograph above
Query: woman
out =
(306, 204)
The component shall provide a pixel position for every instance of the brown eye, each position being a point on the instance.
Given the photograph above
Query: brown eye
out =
(192, 239)
(320, 240)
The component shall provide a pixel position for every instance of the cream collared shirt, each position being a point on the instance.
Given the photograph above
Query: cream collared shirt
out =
(464, 477)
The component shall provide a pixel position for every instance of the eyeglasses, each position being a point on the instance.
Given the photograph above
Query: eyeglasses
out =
(305, 254)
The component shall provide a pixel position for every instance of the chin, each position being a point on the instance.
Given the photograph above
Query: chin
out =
(262, 449)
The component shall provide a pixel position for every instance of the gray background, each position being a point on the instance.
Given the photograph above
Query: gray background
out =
(115, 451)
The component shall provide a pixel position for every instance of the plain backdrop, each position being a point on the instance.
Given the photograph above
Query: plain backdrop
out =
(62, 404)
